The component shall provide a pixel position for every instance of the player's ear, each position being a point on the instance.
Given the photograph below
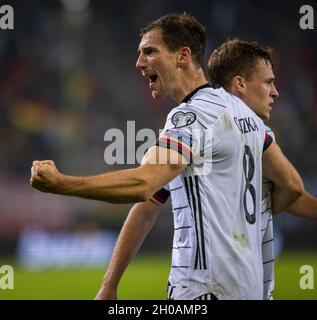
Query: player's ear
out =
(238, 84)
(184, 56)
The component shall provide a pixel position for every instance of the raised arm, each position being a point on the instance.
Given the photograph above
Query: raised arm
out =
(287, 184)
(125, 186)
(137, 225)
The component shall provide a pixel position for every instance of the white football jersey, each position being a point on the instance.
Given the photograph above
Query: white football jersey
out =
(217, 246)
(267, 236)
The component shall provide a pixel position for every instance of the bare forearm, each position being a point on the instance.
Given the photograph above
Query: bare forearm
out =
(287, 183)
(305, 206)
(137, 225)
(118, 187)
(283, 198)
(125, 186)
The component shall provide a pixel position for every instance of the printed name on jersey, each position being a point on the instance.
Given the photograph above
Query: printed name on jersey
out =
(181, 119)
(246, 125)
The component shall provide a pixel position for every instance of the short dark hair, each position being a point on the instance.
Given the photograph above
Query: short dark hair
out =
(235, 57)
(180, 30)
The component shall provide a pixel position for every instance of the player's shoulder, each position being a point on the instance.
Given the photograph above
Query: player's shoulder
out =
(206, 105)
(181, 115)
(210, 99)
(270, 132)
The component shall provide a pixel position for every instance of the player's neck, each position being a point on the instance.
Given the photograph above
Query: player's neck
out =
(188, 83)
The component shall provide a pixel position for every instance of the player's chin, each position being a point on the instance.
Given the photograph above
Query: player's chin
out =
(265, 115)
(268, 115)
(268, 112)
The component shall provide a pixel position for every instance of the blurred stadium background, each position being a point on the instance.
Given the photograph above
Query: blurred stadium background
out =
(67, 75)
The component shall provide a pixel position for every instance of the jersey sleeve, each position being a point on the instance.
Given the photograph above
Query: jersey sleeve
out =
(161, 196)
(267, 141)
(269, 137)
(181, 133)
(270, 132)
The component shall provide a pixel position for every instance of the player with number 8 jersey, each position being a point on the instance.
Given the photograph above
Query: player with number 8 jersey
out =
(217, 200)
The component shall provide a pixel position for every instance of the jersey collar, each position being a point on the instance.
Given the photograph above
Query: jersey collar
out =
(188, 97)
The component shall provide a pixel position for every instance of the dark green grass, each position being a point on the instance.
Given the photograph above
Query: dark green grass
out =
(288, 277)
(145, 279)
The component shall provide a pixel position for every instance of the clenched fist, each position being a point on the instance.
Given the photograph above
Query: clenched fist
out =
(44, 176)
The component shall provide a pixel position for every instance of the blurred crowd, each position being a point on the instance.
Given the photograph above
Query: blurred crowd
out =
(67, 74)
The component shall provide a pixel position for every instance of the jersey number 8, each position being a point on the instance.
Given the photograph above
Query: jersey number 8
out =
(248, 168)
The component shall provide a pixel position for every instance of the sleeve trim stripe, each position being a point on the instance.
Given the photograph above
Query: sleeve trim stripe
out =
(156, 202)
(177, 146)
(267, 141)
(161, 196)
